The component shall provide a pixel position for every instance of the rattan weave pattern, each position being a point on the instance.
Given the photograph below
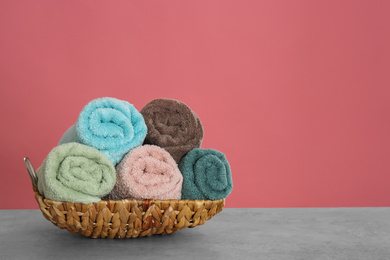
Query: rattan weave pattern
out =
(128, 218)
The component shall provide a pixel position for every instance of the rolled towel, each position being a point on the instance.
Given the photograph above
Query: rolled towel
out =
(76, 173)
(173, 126)
(110, 125)
(147, 172)
(206, 175)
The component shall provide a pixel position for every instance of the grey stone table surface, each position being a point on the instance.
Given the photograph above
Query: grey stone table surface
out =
(272, 233)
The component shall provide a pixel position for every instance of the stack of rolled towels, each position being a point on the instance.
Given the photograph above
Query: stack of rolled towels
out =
(114, 151)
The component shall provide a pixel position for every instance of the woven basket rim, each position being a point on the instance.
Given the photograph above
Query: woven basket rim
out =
(50, 201)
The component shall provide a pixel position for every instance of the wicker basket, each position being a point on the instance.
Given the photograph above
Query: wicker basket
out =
(125, 218)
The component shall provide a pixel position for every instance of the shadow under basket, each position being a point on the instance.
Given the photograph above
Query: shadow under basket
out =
(125, 218)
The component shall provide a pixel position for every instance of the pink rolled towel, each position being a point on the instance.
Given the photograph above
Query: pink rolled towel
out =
(147, 172)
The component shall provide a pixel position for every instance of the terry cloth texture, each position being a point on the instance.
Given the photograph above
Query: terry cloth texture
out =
(147, 172)
(206, 175)
(112, 126)
(76, 173)
(173, 126)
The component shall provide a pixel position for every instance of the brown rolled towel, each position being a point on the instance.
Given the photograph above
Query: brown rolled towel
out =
(173, 126)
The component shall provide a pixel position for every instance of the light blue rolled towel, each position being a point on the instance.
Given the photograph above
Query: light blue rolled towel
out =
(110, 125)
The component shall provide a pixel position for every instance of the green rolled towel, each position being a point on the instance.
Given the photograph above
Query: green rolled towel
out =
(206, 175)
(76, 173)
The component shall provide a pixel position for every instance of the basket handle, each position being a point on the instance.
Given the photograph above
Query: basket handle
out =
(31, 171)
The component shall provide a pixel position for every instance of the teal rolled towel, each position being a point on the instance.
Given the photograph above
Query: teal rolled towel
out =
(206, 175)
(110, 125)
(76, 173)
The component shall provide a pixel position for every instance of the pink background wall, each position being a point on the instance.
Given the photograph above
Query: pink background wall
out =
(295, 93)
